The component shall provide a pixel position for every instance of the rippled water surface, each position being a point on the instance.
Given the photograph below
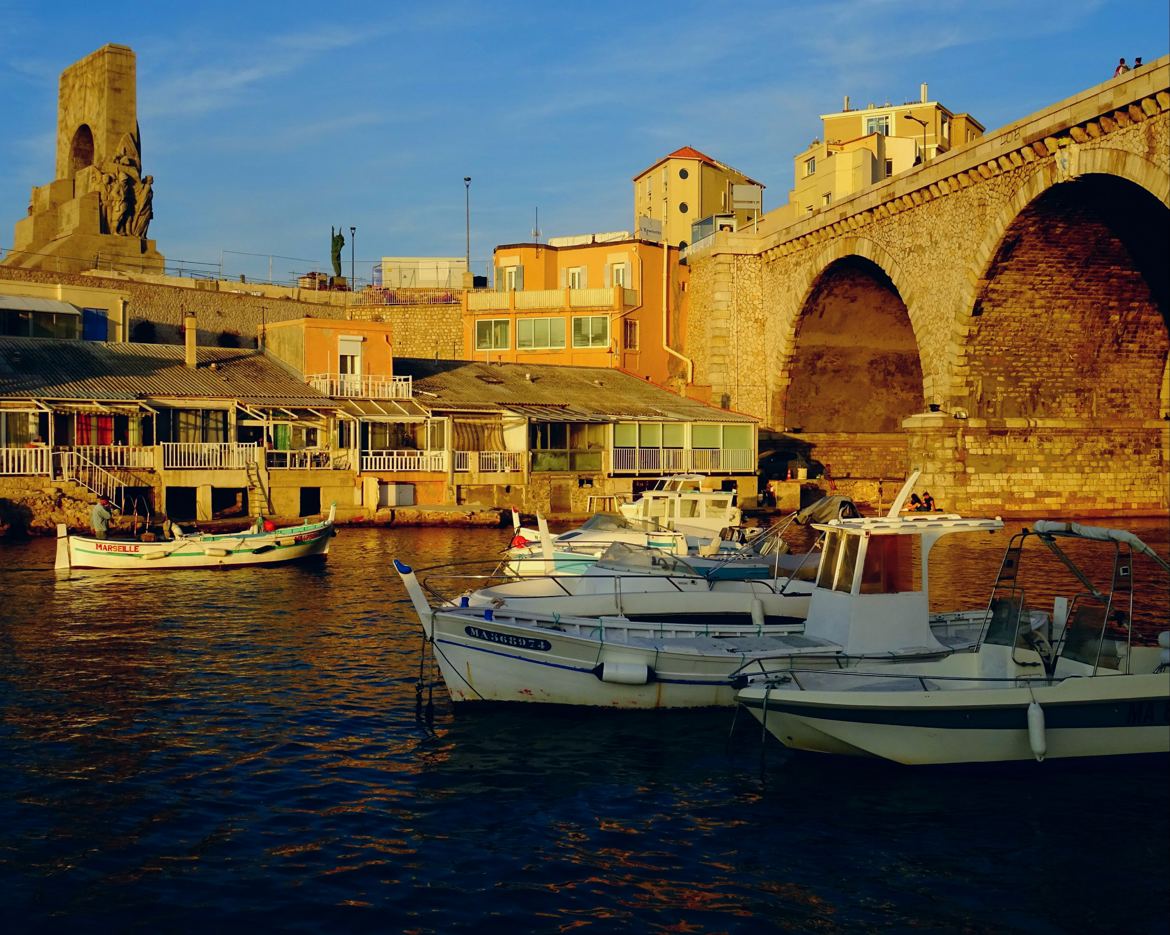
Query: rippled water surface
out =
(212, 751)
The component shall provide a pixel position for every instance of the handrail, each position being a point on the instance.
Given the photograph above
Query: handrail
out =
(26, 461)
(96, 479)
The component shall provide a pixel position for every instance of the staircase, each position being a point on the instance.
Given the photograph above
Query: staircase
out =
(71, 466)
(257, 489)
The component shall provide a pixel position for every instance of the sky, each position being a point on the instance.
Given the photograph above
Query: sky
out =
(265, 124)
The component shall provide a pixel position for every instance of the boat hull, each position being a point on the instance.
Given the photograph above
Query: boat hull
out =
(283, 545)
(1082, 717)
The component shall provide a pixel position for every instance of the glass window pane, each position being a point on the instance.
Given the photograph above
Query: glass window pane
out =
(737, 436)
(673, 435)
(625, 435)
(556, 335)
(706, 436)
(650, 435)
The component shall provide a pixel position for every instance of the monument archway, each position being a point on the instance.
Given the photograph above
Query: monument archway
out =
(81, 149)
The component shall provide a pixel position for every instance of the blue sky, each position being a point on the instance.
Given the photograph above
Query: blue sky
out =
(265, 123)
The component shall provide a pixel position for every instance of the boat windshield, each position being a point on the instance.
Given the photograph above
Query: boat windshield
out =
(642, 560)
(611, 522)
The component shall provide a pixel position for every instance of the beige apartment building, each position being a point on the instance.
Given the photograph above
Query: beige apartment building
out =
(861, 146)
(689, 188)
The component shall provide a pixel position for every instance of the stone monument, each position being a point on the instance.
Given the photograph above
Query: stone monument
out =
(97, 211)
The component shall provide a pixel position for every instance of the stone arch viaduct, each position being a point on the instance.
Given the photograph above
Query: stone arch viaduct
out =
(997, 318)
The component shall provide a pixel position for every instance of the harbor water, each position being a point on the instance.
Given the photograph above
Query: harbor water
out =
(220, 751)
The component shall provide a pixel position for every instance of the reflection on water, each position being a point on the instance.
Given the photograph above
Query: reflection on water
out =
(203, 748)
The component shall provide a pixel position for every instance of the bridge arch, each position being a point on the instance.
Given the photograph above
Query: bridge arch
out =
(852, 360)
(1070, 317)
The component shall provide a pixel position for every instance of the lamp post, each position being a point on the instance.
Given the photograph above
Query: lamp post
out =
(352, 237)
(922, 123)
(467, 210)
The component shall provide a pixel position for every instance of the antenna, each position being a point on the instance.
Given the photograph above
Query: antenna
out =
(536, 227)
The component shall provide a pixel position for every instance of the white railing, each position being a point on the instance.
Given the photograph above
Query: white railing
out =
(367, 387)
(308, 459)
(77, 468)
(25, 460)
(209, 456)
(682, 460)
(489, 462)
(403, 461)
(118, 456)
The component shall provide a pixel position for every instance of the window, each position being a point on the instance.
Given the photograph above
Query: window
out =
(619, 274)
(576, 278)
(630, 335)
(513, 278)
(889, 167)
(491, 334)
(946, 128)
(683, 207)
(810, 166)
(878, 125)
(590, 331)
(683, 173)
(540, 333)
(826, 198)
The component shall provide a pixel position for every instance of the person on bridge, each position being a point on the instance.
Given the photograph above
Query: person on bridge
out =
(1121, 68)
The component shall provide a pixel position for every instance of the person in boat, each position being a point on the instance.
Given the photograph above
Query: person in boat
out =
(927, 502)
(916, 503)
(99, 518)
(263, 525)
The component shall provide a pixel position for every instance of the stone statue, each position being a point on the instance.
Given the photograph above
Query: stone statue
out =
(143, 207)
(337, 241)
(122, 203)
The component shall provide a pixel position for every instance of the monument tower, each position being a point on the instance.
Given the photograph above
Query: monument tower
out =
(96, 213)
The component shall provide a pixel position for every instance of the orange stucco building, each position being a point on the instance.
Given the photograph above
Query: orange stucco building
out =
(605, 300)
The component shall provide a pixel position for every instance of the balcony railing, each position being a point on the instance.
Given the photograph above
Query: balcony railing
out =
(682, 460)
(372, 461)
(209, 456)
(490, 462)
(530, 299)
(118, 456)
(366, 387)
(25, 460)
(307, 459)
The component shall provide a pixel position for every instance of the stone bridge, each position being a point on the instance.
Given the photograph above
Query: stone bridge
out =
(997, 318)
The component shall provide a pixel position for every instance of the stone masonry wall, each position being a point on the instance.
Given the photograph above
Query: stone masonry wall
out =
(227, 316)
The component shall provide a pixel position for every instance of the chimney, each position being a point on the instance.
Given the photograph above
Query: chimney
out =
(922, 93)
(846, 107)
(189, 336)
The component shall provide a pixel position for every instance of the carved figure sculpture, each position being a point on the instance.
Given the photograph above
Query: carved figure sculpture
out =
(337, 241)
(143, 207)
(123, 203)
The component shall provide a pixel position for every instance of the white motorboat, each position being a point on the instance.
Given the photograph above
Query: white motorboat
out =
(195, 550)
(1048, 680)
(869, 607)
(680, 503)
(538, 552)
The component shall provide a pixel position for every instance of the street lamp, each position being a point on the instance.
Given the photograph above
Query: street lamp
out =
(352, 237)
(467, 209)
(922, 123)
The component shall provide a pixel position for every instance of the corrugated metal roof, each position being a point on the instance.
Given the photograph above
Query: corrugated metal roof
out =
(545, 391)
(29, 303)
(46, 368)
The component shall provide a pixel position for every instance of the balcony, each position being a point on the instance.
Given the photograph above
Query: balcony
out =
(490, 462)
(364, 387)
(408, 460)
(609, 297)
(683, 460)
(209, 456)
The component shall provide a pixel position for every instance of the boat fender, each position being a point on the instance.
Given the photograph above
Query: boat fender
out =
(260, 550)
(216, 553)
(624, 673)
(1036, 734)
(757, 613)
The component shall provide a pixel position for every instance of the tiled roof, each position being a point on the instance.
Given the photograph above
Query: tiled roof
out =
(689, 152)
(47, 368)
(547, 392)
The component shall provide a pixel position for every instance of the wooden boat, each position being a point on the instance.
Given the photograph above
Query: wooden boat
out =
(1059, 682)
(188, 550)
